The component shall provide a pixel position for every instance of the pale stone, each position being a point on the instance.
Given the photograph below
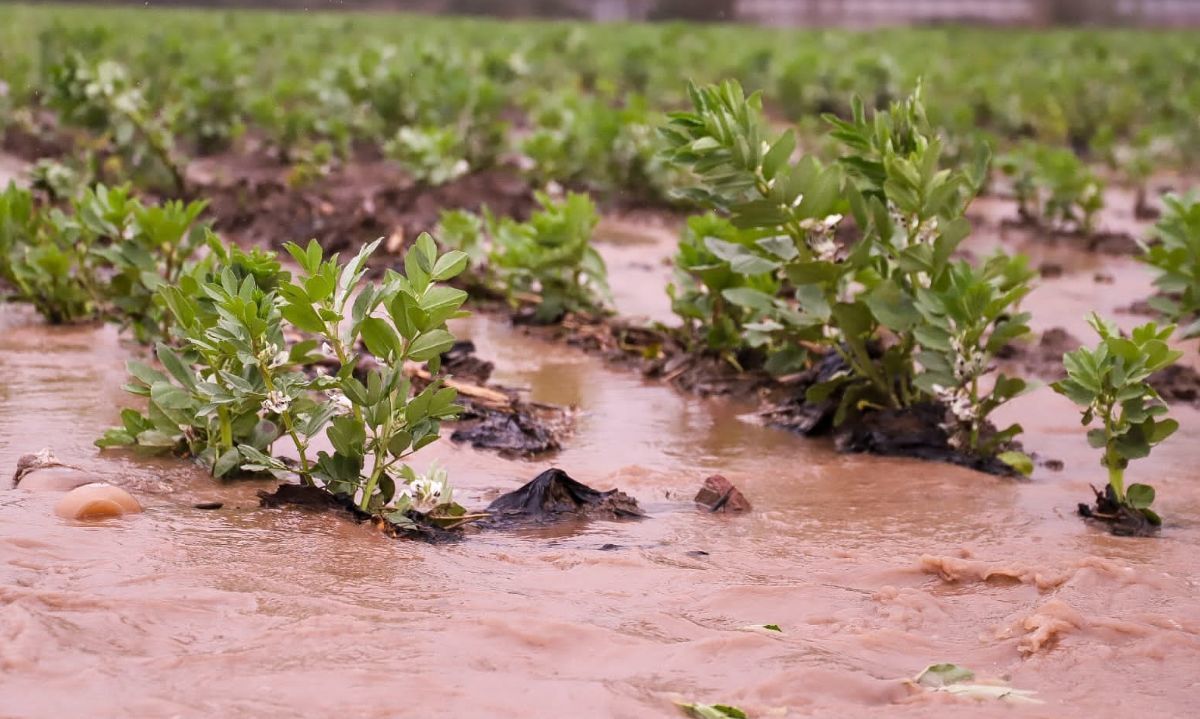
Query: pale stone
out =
(96, 501)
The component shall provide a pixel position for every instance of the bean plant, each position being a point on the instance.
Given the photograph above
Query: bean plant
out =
(1109, 381)
(548, 260)
(102, 259)
(104, 98)
(1175, 259)
(909, 325)
(242, 381)
(1054, 187)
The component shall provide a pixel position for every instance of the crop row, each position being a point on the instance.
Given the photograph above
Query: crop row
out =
(575, 104)
(843, 270)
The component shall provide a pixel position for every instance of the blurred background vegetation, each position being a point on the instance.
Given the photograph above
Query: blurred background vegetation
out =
(795, 12)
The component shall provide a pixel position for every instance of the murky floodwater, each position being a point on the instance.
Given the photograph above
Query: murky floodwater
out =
(872, 567)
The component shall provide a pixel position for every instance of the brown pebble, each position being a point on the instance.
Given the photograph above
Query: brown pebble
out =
(719, 495)
(208, 505)
(96, 501)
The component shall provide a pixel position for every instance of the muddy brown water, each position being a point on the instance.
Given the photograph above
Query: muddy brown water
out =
(872, 567)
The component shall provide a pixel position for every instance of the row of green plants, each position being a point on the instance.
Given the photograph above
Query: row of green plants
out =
(257, 368)
(447, 96)
(798, 261)
(103, 256)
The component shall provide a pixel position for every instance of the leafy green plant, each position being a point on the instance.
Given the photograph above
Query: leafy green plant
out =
(548, 261)
(1110, 383)
(47, 263)
(966, 319)
(864, 300)
(104, 259)
(433, 155)
(1053, 186)
(104, 98)
(703, 274)
(240, 384)
(1175, 258)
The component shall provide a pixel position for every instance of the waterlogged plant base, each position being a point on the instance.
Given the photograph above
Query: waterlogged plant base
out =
(315, 499)
(1121, 520)
(552, 496)
(959, 681)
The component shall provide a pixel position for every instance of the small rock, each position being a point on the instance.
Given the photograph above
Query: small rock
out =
(208, 505)
(1103, 278)
(55, 479)
(696, 553)
(96, 501)
(719, 495)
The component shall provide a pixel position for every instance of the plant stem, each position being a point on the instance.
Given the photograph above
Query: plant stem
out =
(377, 470)
(305, 473)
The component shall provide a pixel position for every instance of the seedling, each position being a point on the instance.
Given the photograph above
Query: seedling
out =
(1110, 383)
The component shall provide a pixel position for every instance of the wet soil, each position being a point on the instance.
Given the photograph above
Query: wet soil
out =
(872, 567)
(257, 200)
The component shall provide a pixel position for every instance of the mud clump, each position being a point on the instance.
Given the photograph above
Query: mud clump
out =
(1177, 384)
(719, 495)
(495, 417)
(516, 433)
(916, 432)
(1121, 520)
(553, 496)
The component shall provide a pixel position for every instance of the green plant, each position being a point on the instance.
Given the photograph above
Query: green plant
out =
(703, 275)
(551, 256)
(1110, 383)
(240, 384)
(433, 155)
(1054, 186)
(1175, 257)
(47, 260)
(104, 259)
(144, 247)
(104, 98)
(865, 299)
(966, 319)
(548, 260)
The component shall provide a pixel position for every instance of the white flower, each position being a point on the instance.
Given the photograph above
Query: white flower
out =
(344, 406)
(825, 249)
(276, 402)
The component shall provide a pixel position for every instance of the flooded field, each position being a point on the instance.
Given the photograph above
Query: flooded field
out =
(873, 568)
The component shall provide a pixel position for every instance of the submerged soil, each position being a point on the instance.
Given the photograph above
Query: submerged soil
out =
(873, 568)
